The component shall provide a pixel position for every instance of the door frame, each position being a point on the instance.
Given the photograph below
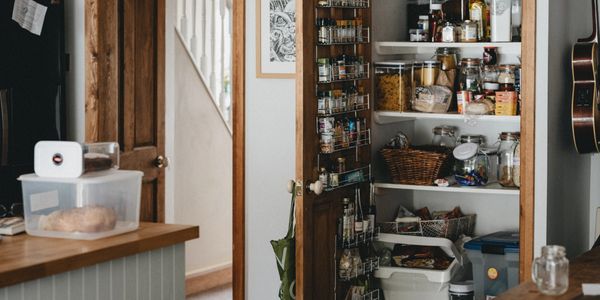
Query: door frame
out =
(239, 149)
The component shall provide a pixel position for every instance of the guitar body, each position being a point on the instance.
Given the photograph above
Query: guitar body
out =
(585, 114)
(584, 108)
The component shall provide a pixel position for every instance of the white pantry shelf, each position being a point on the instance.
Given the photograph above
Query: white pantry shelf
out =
(493, 189)
(388, 117)
(390, 48)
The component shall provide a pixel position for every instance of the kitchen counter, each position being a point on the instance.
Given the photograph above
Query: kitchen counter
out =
(583, 269)
(154, 252)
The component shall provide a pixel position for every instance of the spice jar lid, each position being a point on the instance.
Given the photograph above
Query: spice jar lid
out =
(341, 159)
(506, 67)
(510, 136)
(462, 287)
(444, 130)
(465, 151)
(446, 50)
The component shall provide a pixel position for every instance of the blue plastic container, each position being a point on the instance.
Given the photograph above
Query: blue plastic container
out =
(495, 260)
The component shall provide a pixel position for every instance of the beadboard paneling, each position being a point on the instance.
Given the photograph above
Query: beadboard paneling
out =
(157, 274)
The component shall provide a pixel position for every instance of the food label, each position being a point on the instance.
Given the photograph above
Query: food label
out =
(448, 35)
(463, 98)
(492, 273)
(506, 103)
(41, 201)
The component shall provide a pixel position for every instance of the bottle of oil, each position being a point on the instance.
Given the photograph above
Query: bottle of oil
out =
(478, 12)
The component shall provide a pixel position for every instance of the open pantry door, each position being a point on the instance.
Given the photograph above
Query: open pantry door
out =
(333, 115)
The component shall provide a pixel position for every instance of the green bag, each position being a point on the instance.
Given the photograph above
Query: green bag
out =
(285, 255)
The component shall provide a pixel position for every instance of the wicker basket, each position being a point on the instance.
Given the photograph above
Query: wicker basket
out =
(450, 229)
(418, 165)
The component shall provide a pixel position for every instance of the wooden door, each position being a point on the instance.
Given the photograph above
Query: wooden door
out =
(125, 89)
(317, 252)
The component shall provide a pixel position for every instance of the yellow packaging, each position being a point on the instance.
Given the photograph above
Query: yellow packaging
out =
(506, 103)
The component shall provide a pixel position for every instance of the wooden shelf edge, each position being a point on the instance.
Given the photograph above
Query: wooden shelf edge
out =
(24, 262)
(493, 189)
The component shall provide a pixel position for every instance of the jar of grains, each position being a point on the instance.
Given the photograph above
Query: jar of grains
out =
(393, 85)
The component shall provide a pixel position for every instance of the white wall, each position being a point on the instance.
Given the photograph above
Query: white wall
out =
(75, 78)
(202, 162)
(270, 162)
(568, 182)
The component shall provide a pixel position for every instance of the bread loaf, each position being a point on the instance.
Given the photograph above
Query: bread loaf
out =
(81, 219)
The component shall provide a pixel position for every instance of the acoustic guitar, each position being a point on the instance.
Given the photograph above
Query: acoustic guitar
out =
(585, 114)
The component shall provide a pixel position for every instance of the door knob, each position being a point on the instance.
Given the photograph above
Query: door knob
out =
(161, 162)
(316, 187)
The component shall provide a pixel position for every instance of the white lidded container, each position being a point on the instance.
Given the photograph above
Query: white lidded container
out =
(93, 206)
(59, 159)
(418, 284)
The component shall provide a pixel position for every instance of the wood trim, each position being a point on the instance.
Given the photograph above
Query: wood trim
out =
(259, 73)
(195, 284)
(527, 196)
(239, 149)
(26, 257)
(160, 96)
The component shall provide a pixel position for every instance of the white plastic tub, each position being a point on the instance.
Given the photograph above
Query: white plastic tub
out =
(418, 284)
(94, 206)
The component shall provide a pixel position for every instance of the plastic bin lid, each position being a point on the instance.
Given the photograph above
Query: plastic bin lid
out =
(496, 243)
(88, 178)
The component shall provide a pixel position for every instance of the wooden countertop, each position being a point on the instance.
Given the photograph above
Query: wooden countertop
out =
(583, 269)
(24, 257)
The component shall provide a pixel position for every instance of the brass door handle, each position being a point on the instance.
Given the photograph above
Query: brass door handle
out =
(161, 162)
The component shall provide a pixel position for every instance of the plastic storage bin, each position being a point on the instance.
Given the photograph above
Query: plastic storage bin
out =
(418, 284)
(94, 206)
(57, 159)
(495, 260)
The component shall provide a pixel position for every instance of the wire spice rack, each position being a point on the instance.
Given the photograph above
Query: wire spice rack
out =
(359, 239)
(368, 266)
(345, 35)
(341, 142)
(336, 105)
(344, 72)
(343, 4)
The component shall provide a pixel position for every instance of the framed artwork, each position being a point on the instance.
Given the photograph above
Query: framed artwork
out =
(275, 38)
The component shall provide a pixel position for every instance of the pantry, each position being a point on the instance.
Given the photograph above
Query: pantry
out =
(386, 107)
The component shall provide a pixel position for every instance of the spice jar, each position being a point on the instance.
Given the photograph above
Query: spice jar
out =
(462, 290)
(327, 142)
(341, 165)
(418, 35)
(469, 32)
(508, 166)
(393, 85)
(430, 73)
(449, 33)
(324, 67)
(506, 96)
(448, 57)
(490, 81)
(444, 136)
(423, 23)
(472, 165)
(324, 177)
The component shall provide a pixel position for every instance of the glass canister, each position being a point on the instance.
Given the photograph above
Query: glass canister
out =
(469, 32)
(430, 72)
(393, 85)
(449, 33)
(472, 165)
(444, 136)
(508, 162)
(550, 272)
(470, 75)
(448, 58)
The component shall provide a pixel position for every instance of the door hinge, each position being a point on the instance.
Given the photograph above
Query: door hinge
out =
(299, 188)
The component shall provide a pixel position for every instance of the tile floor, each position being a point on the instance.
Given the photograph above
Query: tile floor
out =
(220, 293)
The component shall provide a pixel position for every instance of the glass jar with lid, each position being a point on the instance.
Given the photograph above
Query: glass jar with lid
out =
(472, 165)
(470, 75)
(490, 80)
(450, 33)
(430, 72)
(393, 85)
(472, 138)
(444, 136)
(448, 58)
(508, 160)
(469, 32)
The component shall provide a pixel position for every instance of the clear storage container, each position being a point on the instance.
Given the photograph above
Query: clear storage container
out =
(71, 159)
(94, 206)
(394, 85)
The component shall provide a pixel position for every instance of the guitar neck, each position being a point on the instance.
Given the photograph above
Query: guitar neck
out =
(594, 37)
